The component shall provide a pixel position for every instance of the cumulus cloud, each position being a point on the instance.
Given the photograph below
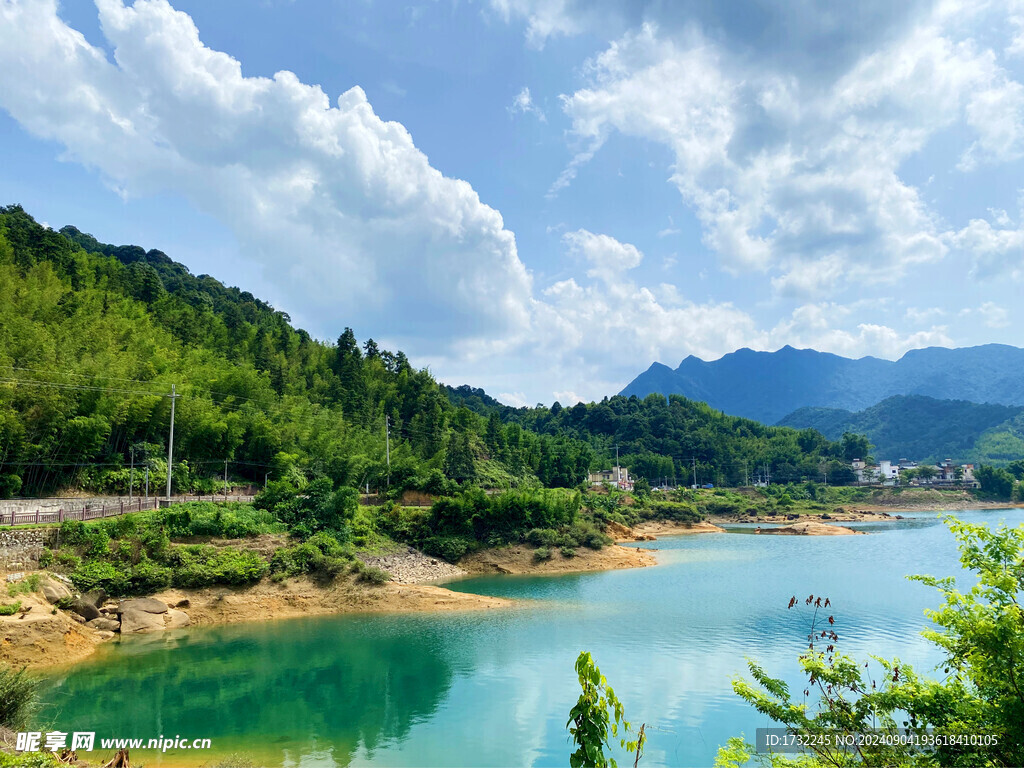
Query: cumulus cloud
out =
(340, 205)
(796, 177)
(993, 250)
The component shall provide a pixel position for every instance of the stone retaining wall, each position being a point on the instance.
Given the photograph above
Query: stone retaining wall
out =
(20, 547)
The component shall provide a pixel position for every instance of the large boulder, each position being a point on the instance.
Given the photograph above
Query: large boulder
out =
(144, 604)
(134, 621)
(85, 609)
(95, 597)
(107, 625)
(176, 619)
(54, 591)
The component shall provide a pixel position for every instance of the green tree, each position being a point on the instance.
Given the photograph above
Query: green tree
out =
(596, 719)
(996, 483)
(459, 464)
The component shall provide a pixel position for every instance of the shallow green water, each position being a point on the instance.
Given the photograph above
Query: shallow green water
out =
(494, 689)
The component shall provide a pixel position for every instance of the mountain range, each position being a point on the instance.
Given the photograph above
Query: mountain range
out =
(768, 386)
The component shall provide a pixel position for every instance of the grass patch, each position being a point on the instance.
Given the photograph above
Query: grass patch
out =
(26, 586)
(9, 609)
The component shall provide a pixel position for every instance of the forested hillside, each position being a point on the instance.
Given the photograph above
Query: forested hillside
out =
(93, 336)
(925, 429)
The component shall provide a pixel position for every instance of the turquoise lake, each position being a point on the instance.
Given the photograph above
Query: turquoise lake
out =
(495, 688)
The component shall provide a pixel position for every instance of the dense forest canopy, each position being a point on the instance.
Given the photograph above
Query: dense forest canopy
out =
(93, 336)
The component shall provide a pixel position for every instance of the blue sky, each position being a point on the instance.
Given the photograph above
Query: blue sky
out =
(542, 198)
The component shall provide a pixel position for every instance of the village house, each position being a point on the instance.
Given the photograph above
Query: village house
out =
(617, 476)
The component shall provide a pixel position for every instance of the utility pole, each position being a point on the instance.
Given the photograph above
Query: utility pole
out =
(745, 480)
(266, 479)
(387, 444)
(694, 471)
(170, 444)
(225, 479)
(131, 476)
(618, 473)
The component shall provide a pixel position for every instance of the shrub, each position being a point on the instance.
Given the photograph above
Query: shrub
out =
(584, 533)
(46, 558)
(19, 695)
(96, 573)
(9, 609)
(72, 533)
(544, 537)
(321, 553)
(541, 554)
(146, 577)
(66, 561)
(372, 575)
(450, 548)
(680, 511)
(568, 552)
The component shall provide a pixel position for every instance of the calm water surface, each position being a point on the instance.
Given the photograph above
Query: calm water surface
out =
(495, 688)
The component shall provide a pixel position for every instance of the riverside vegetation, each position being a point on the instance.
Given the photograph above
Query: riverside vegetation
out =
(976, 711)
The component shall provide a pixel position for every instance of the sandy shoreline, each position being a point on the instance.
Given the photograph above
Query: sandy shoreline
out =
(43, 639)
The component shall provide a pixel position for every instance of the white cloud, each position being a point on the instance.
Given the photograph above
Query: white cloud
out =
(515, 399)
(340, 205)
(990, 313)
(608, 258)
(993, 251)
(523, 104)
(797, 178)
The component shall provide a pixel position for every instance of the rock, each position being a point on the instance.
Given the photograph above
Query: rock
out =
(137, 621)
(54, 591)
(104, 634)
(85, 609)
(792, 517)
(144, 604)
(176, 619)
(107, 625)
(826, 516)
(13, 577)
(78, 618)
(183, 603)
(95, 597)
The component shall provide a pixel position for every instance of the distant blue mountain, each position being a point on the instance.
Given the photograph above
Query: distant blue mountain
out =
(770, 385)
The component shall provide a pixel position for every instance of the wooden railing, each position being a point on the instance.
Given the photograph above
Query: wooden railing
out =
(97, 511)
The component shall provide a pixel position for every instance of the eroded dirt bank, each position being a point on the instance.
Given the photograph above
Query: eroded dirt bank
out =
(520, 558)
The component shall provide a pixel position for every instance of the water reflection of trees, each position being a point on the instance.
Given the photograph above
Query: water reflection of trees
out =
(332, 684)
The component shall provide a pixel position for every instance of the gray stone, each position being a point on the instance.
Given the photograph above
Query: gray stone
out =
(54, 591)
(104, 634)
(108, 625)
(134, 621)
(145, 604)
(78, 618)
(85, 609)
(95, 597)
(177, 619)
(185, 603)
